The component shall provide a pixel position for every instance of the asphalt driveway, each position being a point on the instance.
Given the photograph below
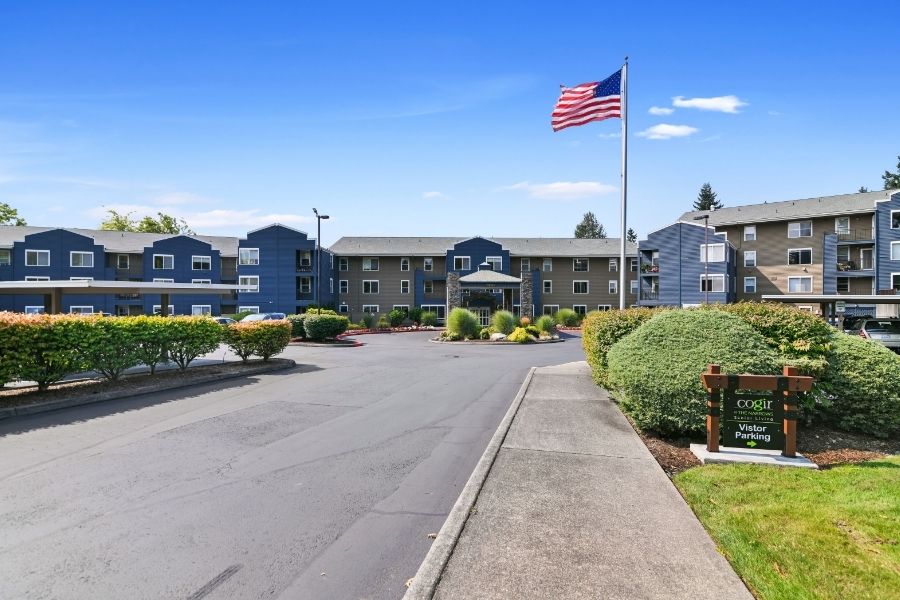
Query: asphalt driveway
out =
(319, 482)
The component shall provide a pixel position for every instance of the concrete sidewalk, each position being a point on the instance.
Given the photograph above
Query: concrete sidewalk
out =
(573, 506)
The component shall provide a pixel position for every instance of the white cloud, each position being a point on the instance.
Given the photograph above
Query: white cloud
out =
(660, 110)
(563, 190)
(664, 131)
(179, 198)
(204, 221)
(433, 196)
(725, 104)
(609, 136)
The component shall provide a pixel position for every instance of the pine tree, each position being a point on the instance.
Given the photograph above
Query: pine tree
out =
(706, 199)
(631, 236)
(590, 228)
(892, 180)
(862, 189)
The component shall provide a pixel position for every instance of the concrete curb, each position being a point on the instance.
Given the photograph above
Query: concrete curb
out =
(153, 387)
(429, 574)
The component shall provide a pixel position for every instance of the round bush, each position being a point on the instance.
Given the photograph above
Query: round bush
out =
(656, 369)
(321, 327)
(520, 335)
(396, 317)
(463, 322)
(189, 337)
(546, 324)
(601, 329)
(566, 317)
(503, 321)
(428, 319)
(262, 338)
(532, 330)
(862, 384)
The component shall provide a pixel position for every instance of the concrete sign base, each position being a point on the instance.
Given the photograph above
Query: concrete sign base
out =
(750, 456)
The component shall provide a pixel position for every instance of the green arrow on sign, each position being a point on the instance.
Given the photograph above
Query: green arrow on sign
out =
(751, 443)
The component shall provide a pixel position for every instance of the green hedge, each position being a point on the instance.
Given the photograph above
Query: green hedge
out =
(261, 338)
(297, 330)
(320, 327)
(566, 317)
(43, 348)
(113, 346)
(464, 323)
(601, 329)
(190, 337)
(862, 383)
(504, 321)
(151, 336)
(656, 369)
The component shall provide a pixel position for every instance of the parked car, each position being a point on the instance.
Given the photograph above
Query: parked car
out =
(884, 331)
(851, 323)
(273, 316)
(224, 320)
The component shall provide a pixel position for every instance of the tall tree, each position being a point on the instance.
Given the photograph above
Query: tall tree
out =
(631, 236)
(10, 216)
(706, 199)
(892, 180)
(162, 224)
(590, 228)
(117, 221)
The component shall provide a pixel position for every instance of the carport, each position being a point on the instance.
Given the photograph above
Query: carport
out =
(53, 291)
(828, 302)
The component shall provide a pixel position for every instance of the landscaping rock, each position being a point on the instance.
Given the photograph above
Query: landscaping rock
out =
(497, 337)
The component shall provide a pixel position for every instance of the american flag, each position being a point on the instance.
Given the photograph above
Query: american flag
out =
(588, 102)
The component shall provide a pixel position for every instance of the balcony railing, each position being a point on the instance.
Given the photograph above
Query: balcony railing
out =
(851, 265)
(649, 268)
(304, 295)
(649, 295)
(304, 267)
(855, 235)
(128, 296)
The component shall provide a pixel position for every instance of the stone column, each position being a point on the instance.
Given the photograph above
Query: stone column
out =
(454, 293)
(525, 295)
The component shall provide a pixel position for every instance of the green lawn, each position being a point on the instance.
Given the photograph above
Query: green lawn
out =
(795, 534)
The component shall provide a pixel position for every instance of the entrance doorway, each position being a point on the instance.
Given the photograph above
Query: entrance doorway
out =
(484, 315)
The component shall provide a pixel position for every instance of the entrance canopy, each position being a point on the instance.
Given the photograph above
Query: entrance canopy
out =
(488, 278)
(53, 290)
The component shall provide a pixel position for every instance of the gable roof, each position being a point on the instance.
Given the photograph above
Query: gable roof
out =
(489, 276)
(126, 242)
(793, 209)
(438, 246)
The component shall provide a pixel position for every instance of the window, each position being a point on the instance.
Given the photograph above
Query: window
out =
(404, 286)
(580, 287)
(248, 256)
(496, 262)
(715, 283)
(404, 264)
(895, 219)
(201, 281)
(123, 261)
(201, 263)
(343, 286)
(633, 264)
(429, 287)
(548, 265)
(895, 250)
(716, 253)
(304, 285)
(248, 283)
(633, 288)
(201, 309)
(843, 254)
(842, 225)
(614, 264)
(749, 233)
(343, 263)
(580, 265)
(81, 259)
(749, 258)
(370, 309)
(34, 310)
(548, 286)
(37, 258)
(843, 284)
(163, 261)
(604, 307)
(343, 309)
(37, 278)
(428, 264)
(580, 309)
(613, 286)
(800, 229)
(5, 258)
(331, 285)
(749, 285)
(370, 286)
(526, 265)
(250, 309)
(550, 309)
(163, 280)
(462, 263)
(403, 307)
(81, 310)
(81, 278)
(895, 282)
(799, 285)
(370, 264)
(800, 256)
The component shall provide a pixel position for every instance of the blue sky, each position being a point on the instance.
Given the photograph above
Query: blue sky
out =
(416, 118)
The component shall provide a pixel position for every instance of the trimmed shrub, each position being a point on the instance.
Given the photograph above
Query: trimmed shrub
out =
(566, 317)
(151, 335)
(354, 326)
(262, 338)
(44, 348)
(322, 327)
(533, 331)
(485, 333)
(8, 345)
(463, 322)
(415, 315)
(546, 324)
(428, 319)
(240, 315)
(367, 320)
(297, 330)
(112, 346)
(601, 329)
(190, 337)
(862, 382)
(656, 368)
(384, 322)
(520, 335)
(503, 321)
(396, 317)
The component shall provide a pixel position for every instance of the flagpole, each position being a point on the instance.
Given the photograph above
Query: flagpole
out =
(622, 265)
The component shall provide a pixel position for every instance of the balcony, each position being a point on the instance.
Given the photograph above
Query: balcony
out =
(304, 267)
(844, 266)
(128, 296)
(304, 295)
(649, 268)
(649, 295)
(846, 236)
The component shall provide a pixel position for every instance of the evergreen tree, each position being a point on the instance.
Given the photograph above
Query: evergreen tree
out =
(706, 199)
(590, 228)
(631, 236)
(10, 216)
(892, 180)
(862, 189)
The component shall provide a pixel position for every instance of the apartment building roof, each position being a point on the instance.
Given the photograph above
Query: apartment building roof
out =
(125, 242)
(793, 209)
(438, 246)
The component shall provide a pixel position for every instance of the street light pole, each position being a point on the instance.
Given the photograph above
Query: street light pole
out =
(319, 219)
(706, 284)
